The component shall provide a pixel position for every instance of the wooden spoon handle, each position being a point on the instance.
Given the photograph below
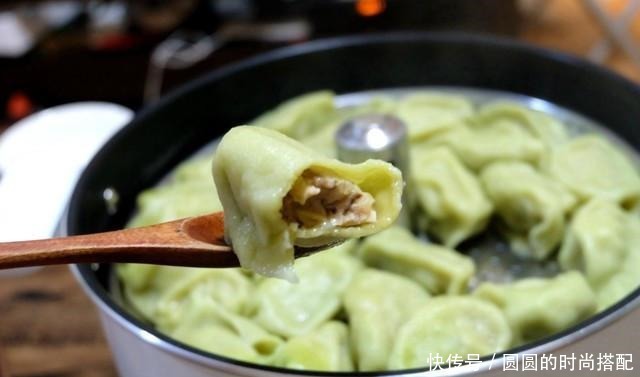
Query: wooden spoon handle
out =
(171, 243)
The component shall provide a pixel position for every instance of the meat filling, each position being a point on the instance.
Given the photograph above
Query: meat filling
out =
(316, 199)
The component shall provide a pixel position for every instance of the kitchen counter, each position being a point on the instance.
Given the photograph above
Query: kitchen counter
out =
(49, 328)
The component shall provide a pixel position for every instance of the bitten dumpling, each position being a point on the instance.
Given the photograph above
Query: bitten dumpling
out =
(596, 241)
(590, 166)
(437, 268)
(377, 304)
(428, 113)
(454, 204)
(538, 307)
(532, 207)
(452, 326)
(295, 309)
(323, 349)
(277, 193)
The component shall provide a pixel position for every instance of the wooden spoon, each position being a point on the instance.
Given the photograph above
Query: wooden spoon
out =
(194, 241)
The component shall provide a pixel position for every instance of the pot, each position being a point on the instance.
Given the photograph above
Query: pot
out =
(187, 119)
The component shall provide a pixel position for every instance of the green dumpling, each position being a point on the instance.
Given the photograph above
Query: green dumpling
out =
(211, 327)
(539, 307)
(592, 167)
(437, 268)
(627, 278)
(229, 288)
(532, 207)
(596, 241)
(323, 349)
(449, 326)
(377, 304)
(144, 285)
(277, 193)
(300, 116)
(543, 127)
(290, 309)
(454, 204)
(427, 113)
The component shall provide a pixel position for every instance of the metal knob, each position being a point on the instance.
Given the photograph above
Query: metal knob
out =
(377, 136)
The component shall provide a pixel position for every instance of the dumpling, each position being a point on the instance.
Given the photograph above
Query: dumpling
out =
(295, 309)
(211, 327)
(145, 284)
(228, 288)
(627, 278)
(323, 349)
(454, 204)
(452, 326)
(531, 206)
(428, 113)
(188, 193)
(300, 116)
(437, 268)
(590, 166)
(277, 193)
(596, 241)
(377, 304)
(538, 307)
(545, 128)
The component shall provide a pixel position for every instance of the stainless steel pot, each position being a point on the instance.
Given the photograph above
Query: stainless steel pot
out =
(169, 131)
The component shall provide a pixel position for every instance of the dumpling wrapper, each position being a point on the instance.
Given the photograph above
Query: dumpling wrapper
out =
(377, 304)
(454, 204)
(211, 327)
(449, 326)
(627, 278)
(300, 116)
(438, 269)
(591, 166)
(189, 192)
(532, 207)
(323, 349)
(596, 241)
(428, 113)
(275, 191)
(538, 307)
(143, 285)
(545, 128)
(227, 287)
(295, 309)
